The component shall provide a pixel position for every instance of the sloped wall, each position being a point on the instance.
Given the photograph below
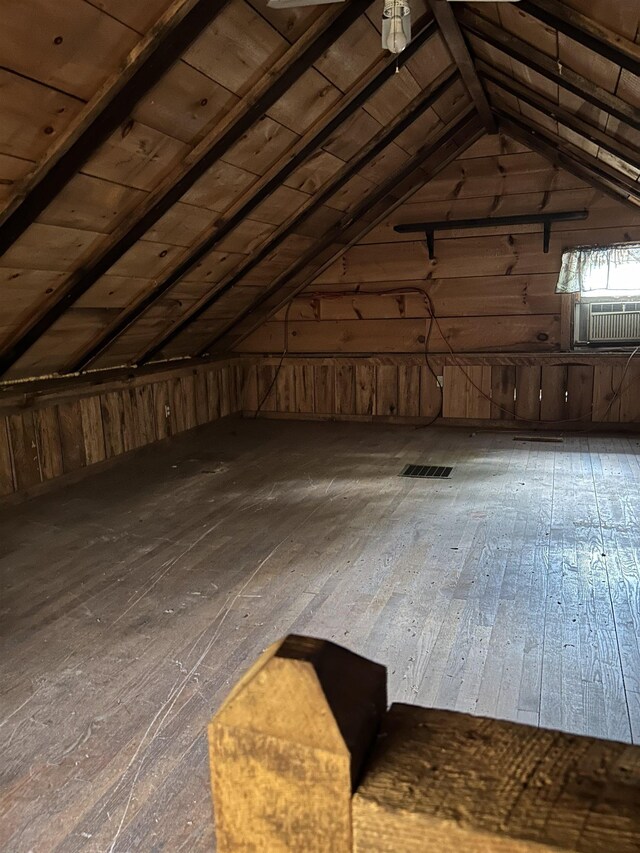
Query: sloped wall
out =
(57, 434)
(492, 290)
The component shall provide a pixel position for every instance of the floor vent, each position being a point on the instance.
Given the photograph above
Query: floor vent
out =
(437, 472)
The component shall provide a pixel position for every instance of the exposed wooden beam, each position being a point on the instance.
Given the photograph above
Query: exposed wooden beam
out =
(625, 184)
(295, 64)
(455, 41)
(569, 119)
(157, 52)
(425, 165)
(532, 137)
(539, 62)
(377, 145)
(266, 189)
(585, 31)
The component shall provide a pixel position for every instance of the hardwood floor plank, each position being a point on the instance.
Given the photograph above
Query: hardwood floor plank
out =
(134, 599)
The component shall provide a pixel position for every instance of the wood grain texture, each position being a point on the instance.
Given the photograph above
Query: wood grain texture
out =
(319, 709)
(63, 432)
(453, 585)
(455, 782)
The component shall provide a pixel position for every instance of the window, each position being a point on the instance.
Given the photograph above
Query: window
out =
(601, 271)
(607, 281)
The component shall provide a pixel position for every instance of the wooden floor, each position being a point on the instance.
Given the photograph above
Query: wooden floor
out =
(133, 600)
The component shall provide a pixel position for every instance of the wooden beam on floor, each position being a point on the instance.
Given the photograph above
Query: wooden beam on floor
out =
(148, 62)
(278, 178)
(532, 137)
(380, 141)
(296, 683)
(585, 31)
(531, 57)
(455, 41)
(426, 164)
(569, 119)
(296, 62)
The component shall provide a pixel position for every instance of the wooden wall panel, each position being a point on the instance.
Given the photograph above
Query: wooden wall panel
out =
(409, 391)
(553, 404)
(325, 384)
(48, 441)
(386, 390)
(345, 389)
(492, 289)
(365, 399)
(304, 388)
(503, 386)
(61, 435)
(579, 390)
(525, 333)
(6, 468)
(92, 430)
(506, 390)
(112, 422)
(25, 450)
(528, 379)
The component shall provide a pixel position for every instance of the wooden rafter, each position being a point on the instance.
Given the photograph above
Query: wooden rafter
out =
(585, 31)
(427, 163)
(550, 147)
(113, 104)
(255, 199)
(452, 35)
(569, 119)
(625, 184)
(384, 138)
(539, 62)
(295, 63)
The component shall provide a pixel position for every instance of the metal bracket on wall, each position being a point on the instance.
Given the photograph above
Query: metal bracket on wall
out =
(546, 219)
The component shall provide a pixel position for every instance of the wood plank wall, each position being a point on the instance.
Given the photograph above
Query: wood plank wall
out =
(493, 289)
(65, 432)
(561, 391)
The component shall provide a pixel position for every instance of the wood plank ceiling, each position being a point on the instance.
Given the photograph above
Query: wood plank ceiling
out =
(172, 172)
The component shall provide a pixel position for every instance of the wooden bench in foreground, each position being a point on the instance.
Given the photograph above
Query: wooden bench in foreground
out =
(306, 757)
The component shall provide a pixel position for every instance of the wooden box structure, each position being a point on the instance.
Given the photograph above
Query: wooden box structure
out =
(304, 757)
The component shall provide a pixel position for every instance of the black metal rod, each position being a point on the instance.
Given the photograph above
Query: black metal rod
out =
(490, 221)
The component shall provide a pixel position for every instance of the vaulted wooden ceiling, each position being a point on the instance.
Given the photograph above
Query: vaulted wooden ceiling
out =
(170, 169)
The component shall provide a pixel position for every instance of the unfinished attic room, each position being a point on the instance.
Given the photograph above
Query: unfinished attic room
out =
(319, 426)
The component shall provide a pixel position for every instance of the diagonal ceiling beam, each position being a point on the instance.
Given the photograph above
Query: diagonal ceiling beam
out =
(585, 31)
(428, 161)
(534, 137)
(384, 138)
(569, 119)
(625, 183)
(148, 62)
(455, 41)
(279, 177)
(548, 67)
(291, 68)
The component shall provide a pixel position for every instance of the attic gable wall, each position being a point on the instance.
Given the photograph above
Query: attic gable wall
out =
(492, 289)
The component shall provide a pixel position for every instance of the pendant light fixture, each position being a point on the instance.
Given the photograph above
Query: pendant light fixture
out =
(396, 25)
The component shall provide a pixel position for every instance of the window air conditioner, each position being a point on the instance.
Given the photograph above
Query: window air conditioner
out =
(612, 322)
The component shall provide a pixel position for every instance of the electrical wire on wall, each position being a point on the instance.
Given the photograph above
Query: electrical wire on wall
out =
(282, 358)
(432, 320)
